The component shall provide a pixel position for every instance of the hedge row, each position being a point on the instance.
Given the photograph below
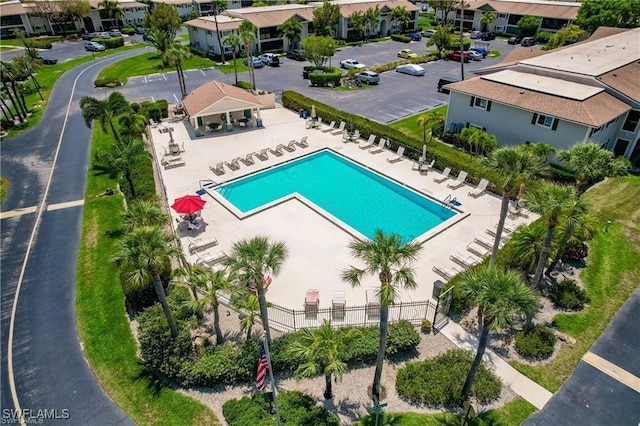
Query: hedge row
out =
(110, 43)
(444, 155)
(208, 365)
(400, 37)
(328, 77)
(108, 82)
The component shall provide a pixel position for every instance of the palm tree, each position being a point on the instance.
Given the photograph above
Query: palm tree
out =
(500, 296)
(132, 125)
(104, 111)
(143, 253)
(162, 41)
(402, 15)
(248, 37)
(429, 120)
(234, 42)
(550, 201)
(291, 29)
(250, 307)
(577, 216)
(176, 53)
(513, 165)
(211, 282)
(217, 7)
(143, 213)
(122, 156)
(590, 163)
(486, 19)
(8, 78)
(388, 257)
(526, 244)
(251, 260)
(112, 10)
(322, 351)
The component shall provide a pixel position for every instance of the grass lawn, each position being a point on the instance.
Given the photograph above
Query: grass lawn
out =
(148, 63)
(103, 328)
(511, 414)
(6, 48)
(611, 275)
(410, 126)
(228, 67)
(5, 184)
(47, 77)
(494, 53)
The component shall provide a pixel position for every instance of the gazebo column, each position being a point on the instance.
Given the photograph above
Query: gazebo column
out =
(258, 118)
(228, 120)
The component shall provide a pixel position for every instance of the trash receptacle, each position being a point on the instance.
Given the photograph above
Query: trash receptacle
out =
(305, 74)
(437, 288)
(305, 114)
(301, 111)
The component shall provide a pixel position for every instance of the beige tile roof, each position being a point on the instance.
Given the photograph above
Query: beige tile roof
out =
(272, 16)
(349, 7)
(516, 55)
(546, 9)
(603, 32)
(624, 80)
(209, 23)
(9, 9)
(213, 92)
(594, 111)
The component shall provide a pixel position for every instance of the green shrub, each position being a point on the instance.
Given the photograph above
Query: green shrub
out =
(111, 43)
(108, 82)
(216, 366)
(568, 295)
(401, 38)
(536, 342)
(142, 295)
(296, 409)
(164, 107)
(543, 37)
(403, 338)
(244, 85)
(575, 252)
(143, 181)
(197, 52)
(42, 42)
(439, 381)
(127, 31)
(325, 76)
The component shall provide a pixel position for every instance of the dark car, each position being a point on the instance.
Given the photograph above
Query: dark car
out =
(414, 36)
(47, 60)
(481, 50)
(488, 36)
(140, 30)
(147, 37)
(457, 56)
(528, 41)
(444, 81)
(296, 55)
(514, 40)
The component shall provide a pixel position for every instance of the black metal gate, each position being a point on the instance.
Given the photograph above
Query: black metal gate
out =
(442, 309)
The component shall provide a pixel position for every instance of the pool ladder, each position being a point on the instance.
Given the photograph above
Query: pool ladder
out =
(449, 201)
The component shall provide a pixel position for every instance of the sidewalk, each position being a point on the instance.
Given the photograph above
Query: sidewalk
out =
(522, 385)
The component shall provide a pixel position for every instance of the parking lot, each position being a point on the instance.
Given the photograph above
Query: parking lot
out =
(397, 95)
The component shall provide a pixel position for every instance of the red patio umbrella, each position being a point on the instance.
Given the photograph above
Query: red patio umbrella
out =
(188, 204)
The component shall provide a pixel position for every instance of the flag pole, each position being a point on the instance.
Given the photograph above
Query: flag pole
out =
(273, 382)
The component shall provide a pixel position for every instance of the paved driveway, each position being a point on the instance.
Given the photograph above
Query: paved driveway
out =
(397, 95)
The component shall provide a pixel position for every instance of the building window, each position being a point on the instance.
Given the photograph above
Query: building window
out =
(502, 15)
(480, 103)
(545, 121)
(621, 147)
(631, 122)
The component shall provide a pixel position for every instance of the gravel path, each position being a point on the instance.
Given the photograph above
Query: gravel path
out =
(350, 398)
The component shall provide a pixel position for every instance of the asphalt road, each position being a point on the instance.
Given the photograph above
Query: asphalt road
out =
(48, 363)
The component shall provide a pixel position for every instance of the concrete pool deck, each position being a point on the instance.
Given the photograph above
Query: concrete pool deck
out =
(318, 249)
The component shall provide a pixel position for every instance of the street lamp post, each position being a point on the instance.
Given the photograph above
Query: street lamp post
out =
(331, 49)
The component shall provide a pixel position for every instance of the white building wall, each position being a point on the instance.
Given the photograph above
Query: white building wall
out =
(133, 16)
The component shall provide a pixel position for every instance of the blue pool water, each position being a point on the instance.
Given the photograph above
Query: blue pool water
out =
(362, 199)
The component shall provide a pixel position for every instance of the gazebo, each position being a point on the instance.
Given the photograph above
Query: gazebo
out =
(216, 106)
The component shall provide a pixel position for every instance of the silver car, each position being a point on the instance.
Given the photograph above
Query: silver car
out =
(411, 69)
(368, 77)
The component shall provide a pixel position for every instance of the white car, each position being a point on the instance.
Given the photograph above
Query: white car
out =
(411, 69)
(476, 56)
(351, 64)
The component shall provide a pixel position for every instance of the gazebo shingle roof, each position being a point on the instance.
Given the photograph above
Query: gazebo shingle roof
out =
(212, 92)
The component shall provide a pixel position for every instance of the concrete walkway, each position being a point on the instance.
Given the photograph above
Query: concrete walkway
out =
(522, 385)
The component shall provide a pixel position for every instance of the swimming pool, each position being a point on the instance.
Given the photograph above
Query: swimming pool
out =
(358, 197)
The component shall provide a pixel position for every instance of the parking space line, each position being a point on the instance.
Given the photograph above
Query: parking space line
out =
(164, 76)
(202, 72)
(17, 212)
(176, 98)
(145, 79)
(152, 100)
(52, 207)
(612, 370)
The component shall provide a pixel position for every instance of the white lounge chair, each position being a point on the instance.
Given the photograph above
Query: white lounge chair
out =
(329, 127)
(178, 162)
(277, 151)
(338, 304)
(518, 211)
(218, 169)
(459, 181)
(262, 155)
(369, 143)
(445, 271)
(248, 161)
(340, 129)
(380, 147)
(208, 258)
(484, 241)
(506, 230)
(444, 176)
(397, 156)
(233, 164)
(478, 250)
(480, 189)
(464, 260)
(202, 244)
(291, 146)
(303, 142)
(351, 137)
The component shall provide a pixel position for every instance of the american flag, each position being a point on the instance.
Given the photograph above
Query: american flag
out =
(263, 367)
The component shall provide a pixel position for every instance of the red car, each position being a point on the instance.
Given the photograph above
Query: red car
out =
(456, 55)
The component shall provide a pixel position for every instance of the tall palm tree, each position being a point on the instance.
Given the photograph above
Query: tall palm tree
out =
(132, 125)
(291, 29)
(143, 253)
(388, 257)
(429, 120)
(162, 41)
(122, 156)
(104, 111)
(211, 283)
(322, 351)
(250, 307)
(176, 53)
(501, 297)
(591, 162)
(248, 36)
(217, 7)
(143, 213)
(577, 216)
(233, 40)
(251, 260)
(551, 201)
(8, 78)
(526, 245)
(513, 165)
(486, 19)
(112, 10)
